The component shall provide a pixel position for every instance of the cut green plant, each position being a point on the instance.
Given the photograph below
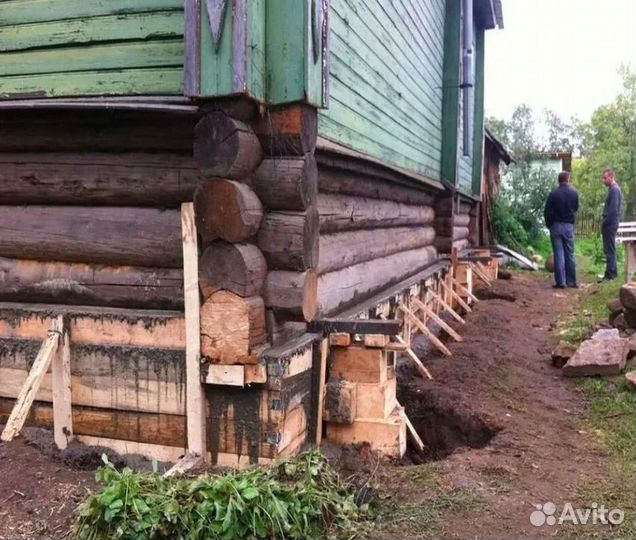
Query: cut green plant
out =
(302, 497)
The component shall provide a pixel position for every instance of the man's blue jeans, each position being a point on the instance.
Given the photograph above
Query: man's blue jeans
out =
(562, 236)
(609, 246)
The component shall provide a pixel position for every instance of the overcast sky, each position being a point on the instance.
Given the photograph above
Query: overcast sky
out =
(559, 54)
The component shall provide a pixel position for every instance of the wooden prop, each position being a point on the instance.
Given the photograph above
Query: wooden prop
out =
(424, 329)
(441, 322)
(448, 308)
(451, 292)
(418, 363)
(464, 290)
(61, 383)
(195, 396)
(412, 432)
(481, 274)
(34, 380)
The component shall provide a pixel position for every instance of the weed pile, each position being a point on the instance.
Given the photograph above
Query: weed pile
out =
(302, 497)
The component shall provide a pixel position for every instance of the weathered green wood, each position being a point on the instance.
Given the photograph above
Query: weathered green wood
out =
(465, 172)
(151, 81)
(292, 73)
(256, 50)
(478, 138)
(216, 65)
(168, 53)
(158, 25)
(30, 11)
(450, 106)
(386, 71)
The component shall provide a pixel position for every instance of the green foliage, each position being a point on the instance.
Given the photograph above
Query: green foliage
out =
(302, 497)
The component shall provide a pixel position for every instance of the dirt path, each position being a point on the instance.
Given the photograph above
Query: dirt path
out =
(504, 428)
(500, 382)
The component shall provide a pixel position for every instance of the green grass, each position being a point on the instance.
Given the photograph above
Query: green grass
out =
(612, 408)
(427, 500)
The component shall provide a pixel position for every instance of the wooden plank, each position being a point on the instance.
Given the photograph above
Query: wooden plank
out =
(158, 452)
(14, 12)
(358, 364)
(223, 375)
(481, 272)
(109, 377)
(464, 290)
(164, 53)
(352, 326)
(424, 329)
(195, 396)
(322, 373)
(97, 326)
(339, 339)
(412, 431)
(418, 363)
(441, 322)
(29, 390)
(61, 383)
(134, 26)
(131, 81)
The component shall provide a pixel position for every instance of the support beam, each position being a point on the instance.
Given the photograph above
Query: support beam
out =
(448, 308)
(441, 322)
(464, 290)
(195, 396)
(451, 292)
(61, 382)
(424, 329)
(412, 432)
(418, 363)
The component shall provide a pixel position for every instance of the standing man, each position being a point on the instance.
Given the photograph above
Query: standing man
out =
(611, 219)
(560, 215)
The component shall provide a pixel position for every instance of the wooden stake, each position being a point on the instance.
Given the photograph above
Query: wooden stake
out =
(443, 304)
(464, 290)
(459, 299)
(195, 397)
(445, 326)
(414, 435)
(33, 382)
(418, 363)
(61, 386)
(424, 329)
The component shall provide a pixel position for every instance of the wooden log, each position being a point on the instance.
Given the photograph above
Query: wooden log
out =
(287, 183)
(226, 147)
(290, 240)
(459, 233)
(343, 212)
(90, 285)
(358, 184)
(461, 220)
(342, 288)
(292, 292)
(352, 247)
(238, 268)
(290, 130)
(98, 179)
(147, 379)
(103, 235)
(169, 430)
(231, 326)
(227, 210)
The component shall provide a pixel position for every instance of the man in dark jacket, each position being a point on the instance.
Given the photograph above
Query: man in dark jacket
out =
(560, 215)
(611, 219)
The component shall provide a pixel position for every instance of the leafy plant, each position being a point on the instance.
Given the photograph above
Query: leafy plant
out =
(302, 497)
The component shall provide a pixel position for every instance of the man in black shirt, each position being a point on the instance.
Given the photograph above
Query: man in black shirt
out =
(560, 215)
(611, 219)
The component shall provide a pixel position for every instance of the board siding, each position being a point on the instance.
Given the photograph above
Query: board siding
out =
(386, 68)
(58, 48)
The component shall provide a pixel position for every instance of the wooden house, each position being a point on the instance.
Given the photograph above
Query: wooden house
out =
(333, 153)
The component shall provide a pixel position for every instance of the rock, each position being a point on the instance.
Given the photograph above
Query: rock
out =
(630, 318)
(504, 274)
(619, 322)
(630, 377)
(598, 357)
(628, 295)
(549, 264)
(614, 315)
(632, 347)
(605, 334)
(615, 305)
(562, 353)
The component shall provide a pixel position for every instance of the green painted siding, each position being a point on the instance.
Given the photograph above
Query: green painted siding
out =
(62, 48)
(386, 69)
